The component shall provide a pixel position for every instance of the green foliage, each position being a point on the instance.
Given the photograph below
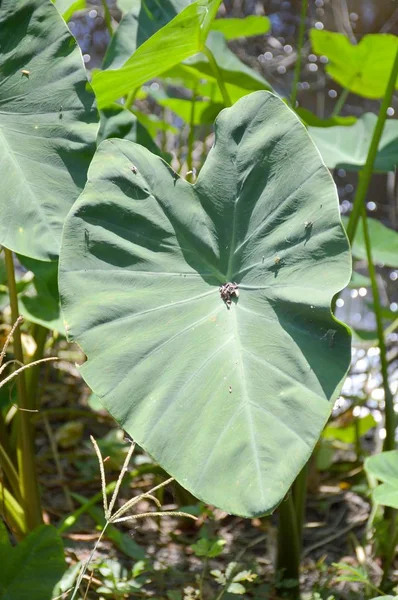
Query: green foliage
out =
(208, 548)
(30, 570)
(144, 256)
(384, 243)
(348, 434)
(363, 68)
(232, 581)
(384, 467)
(246, 27)
(347, 147)
(67, 8)
(117, 122)
(310, 119)
(47, 128)
(118, 581)
(182, 37)
(39, 302)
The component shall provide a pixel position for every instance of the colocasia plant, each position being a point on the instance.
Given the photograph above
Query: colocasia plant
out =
(202, 304)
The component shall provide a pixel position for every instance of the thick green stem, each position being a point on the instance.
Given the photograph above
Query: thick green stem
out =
(300, 43)
(191, 137)
(107, 17)
(34, 373)
(25, 444)
(299, 497)
(10, 472)
(13, 513)
(366, 173)
(288, 557)
(218, 75)
(340, 102)
(389, 442)
(390, 555)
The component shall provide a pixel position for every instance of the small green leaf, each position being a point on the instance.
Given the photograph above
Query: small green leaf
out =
(347, 434)
(347, 147)
(182, 37)
(384, 466)
(363, 68)
(236, 588)
(246, 27)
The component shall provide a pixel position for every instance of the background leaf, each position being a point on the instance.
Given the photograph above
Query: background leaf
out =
(384, 243)
(47, 130)
(246, 27)
(32, 568)
(363, 68)
(347, 147)
(213, 393)
(180, 38)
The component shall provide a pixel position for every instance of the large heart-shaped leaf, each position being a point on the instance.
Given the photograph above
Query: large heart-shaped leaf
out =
(182, 37)
(364, 68)
(347, 147)
(47, 130)
(31, 569)
(230, 398)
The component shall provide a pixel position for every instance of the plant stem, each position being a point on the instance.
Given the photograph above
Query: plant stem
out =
(288, 557)
(202, 578)
(390, 555)
(340, 102)
(25, 444)
(10, 472)
(389, 442)
(13, 513)
(366, 173)
(300, 43)
(299, 497)
(107, 17)
(218, 76)
(34, 372)
(191, 136)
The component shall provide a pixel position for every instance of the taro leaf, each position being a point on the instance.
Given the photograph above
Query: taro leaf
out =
(182, 37)
(310, 119)
(347, 147)
(39, 303)
(236, 28)
(233, 70)
(204, 112)
(117, 122)
(384, 467)
(67, 8)
(215, 393)
(47, 131)
(348, 434)
(364, 68)
(384, 243)
(30, 570)
(138, 25)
